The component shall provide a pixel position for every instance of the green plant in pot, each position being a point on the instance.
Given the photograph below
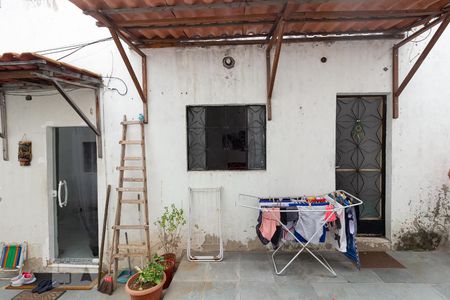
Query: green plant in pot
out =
(148, 283)
(169, 229)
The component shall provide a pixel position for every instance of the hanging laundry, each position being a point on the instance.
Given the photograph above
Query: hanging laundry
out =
(268, 228)
(338, 229)
(289, 218)
(351, 230)
(309, 222)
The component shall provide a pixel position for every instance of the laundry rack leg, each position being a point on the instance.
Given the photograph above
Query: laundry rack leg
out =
(321, 260)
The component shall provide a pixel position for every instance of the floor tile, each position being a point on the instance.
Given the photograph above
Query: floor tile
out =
(221, 290)
(191, 271)
(222, 271)
(336, 291)
(397, 291)
(187, 290)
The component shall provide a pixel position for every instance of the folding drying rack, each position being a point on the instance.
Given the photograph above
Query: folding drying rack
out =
(304, 246)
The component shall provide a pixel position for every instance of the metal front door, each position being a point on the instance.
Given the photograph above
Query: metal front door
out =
(360, 139)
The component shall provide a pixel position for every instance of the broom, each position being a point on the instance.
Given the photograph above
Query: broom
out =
(105, 284)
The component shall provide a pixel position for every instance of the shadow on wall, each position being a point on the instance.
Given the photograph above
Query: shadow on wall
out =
(430, 226)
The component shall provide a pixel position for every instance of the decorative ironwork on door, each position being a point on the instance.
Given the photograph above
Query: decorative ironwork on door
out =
(360, 140)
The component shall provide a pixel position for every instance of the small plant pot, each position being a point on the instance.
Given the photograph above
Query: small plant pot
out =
(153, 293)
(170, 256)
(169, 269)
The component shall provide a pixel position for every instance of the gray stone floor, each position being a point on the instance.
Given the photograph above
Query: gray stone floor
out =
(250, 276)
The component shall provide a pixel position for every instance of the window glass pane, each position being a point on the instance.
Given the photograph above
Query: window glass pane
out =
(196, 138)
(256, 137)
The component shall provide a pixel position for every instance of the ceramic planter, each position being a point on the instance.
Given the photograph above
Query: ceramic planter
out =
(153, 293)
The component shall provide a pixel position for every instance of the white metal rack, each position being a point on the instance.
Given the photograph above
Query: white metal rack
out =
(304, 246)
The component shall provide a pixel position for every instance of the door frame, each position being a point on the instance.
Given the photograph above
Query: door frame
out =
(382, 227)
(51, 143)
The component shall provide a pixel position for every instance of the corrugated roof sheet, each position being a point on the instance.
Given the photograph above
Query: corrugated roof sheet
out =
(11, 64)
(163, 20)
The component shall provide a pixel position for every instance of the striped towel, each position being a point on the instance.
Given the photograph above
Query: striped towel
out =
(11, 256)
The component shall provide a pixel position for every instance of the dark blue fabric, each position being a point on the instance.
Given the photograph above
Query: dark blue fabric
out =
(352, 250)
(302, 239)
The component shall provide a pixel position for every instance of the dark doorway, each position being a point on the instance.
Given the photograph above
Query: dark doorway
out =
(76, 199)
(360, 157)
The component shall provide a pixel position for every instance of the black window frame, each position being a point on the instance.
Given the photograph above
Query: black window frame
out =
(246, 106)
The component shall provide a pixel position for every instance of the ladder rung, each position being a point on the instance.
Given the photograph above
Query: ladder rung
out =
(130, 168)
(131, 189)
(132, 201)
(130, 227)
(132, 158)
(133, 179)
(131, 254)
(131, 142)
(131, 122)
(132, 247)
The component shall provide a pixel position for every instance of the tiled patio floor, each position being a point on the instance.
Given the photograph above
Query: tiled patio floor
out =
(250, 276)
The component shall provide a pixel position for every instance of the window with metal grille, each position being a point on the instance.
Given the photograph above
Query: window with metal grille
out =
(226, 137)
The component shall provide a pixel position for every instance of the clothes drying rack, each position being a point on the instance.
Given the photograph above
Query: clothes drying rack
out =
(354, 201)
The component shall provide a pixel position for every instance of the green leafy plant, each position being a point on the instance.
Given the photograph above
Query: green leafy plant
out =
(169, 228)
(151, 275)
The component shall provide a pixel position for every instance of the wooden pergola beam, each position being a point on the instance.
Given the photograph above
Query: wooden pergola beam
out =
(77, 109)
(264, 19)
(295, 17)
(117, 34)
(4, 127)
(277, 40)
(398, 89)
(142, 94)
(216, 42)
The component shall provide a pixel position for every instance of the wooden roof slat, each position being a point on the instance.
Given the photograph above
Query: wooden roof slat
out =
(188, 19)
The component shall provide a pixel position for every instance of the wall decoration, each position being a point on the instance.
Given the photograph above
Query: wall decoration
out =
(24, 154)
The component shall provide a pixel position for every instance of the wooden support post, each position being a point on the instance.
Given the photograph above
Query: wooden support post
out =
(128, 64)
(395, 107)
(145, 88)
(4, 132)
(272, 68)
(99, 124)
(75, 107)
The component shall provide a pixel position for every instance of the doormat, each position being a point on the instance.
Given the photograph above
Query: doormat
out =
(28, 295)
(376, 260)
(67, 281)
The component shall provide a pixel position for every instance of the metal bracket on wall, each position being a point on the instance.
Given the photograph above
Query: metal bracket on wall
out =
(398, 89)
(4, 131)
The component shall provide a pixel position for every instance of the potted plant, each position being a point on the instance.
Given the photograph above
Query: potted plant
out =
(148, 283)
(169, 228)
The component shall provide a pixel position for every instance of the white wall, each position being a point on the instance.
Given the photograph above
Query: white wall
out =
(300, 139)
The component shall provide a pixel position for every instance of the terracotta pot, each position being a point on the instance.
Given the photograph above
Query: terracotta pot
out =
(169, 270)
(153, 293)
(170, 256)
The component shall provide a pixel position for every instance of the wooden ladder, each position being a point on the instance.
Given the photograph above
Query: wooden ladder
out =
(140, 249)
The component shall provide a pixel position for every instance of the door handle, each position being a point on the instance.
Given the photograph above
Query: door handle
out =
(60, 185)
(337, 167)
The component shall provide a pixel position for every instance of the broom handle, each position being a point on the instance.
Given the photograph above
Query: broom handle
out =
(105, 217)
